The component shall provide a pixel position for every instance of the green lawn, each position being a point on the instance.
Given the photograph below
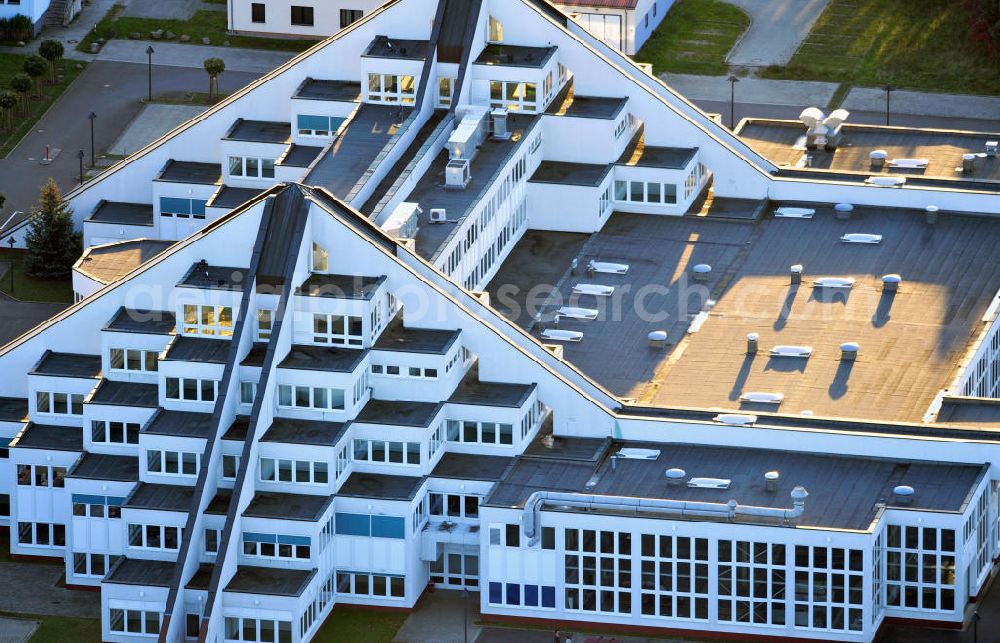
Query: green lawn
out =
(694, 38)
(919, 45)
(62, 628)
(28, 289)
(352, 624)
(203, 24)
(11, 64)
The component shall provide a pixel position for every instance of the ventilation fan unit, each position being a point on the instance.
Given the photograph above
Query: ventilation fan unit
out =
(438, 215)
(457, 174)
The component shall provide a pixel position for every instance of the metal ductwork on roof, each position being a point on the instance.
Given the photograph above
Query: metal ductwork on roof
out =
(680, 508)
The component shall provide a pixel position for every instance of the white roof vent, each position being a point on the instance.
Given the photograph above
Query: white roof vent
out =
(834, 282)
(903, 494)
(794, 213)
(758, 397)
(886, 181)
(791, 351)
(675, 476)
(710, 483)
(735, 419)
(861, 237)
(639, 454)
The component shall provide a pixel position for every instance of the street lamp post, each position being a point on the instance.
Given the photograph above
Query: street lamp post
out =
(93, 117)
(975, 627)
(732, 101)
(465, 615)
(888, 90)
(79, 156)
(149, 54)
(10, 268)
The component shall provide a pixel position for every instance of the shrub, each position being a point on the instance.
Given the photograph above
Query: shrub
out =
(51, 50)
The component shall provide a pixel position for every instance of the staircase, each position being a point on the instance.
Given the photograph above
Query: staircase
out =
(59, 13)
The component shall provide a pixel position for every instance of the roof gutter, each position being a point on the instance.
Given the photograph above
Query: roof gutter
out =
(531, 519)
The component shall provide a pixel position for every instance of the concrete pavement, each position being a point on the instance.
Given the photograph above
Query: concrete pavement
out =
(16, 630)
(150, 124)
(924, 104)
(441, 617)
(178, 55)
(777, 28)
(752, 90)
(111, 90)
(37, 592)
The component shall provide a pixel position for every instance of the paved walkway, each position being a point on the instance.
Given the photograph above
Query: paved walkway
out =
(16, 630)
(178, 55)
(752, 90)
(924, 104)
(37, 592)
(438, 618)
(167, 9)
(777, 28)
(151, 123)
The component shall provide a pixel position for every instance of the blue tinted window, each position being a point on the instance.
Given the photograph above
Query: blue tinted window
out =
(548, 596)
(496, 593)
(353, 524)
(531, 595)
(513, 594)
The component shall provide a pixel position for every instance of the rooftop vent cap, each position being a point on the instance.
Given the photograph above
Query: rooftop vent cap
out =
(843, 207)
(735, 419)
(657, 336)
(904, 494)
(891, 279)
(799, 495)
(771, 480)
(878, 154)
(710, 483)
(753, 340)
(931, 208)
(675, 475)
(762, 398)
(702, 268)
(849, 351)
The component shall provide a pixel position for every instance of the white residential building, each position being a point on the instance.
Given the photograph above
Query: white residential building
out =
(474, 301)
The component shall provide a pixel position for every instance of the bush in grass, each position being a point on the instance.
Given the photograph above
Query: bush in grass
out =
(51, 50)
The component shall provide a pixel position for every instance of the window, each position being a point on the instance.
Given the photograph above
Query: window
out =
(252, 629)
(480, 432)
(215, 321)
(522, 595)
(508, 535)
(190, 390)
(102, 432)
(496, 30)
(349, 16)
(39, 475)
(248, 391)
(93, 564)
(302, 16)
(265, 322)
(370, 526)
(298, 471)
(133, 621)
(230, 466)
(251, 167)
(751, 582)
(413, 372)
(390, 88)
(310, 398)
(257, 12)
(340, 330)
(598, 571)
(320, 258)
(454, 505)
(386, 451)
(513, 95)
(59, 403)
(172, 463)
(41, 533)
(829, 584)
(133, 360)
(309, 125)
(645, 192)
(276, 546)
(172, 207)
(212, 537)
(445, 88)
(154, 536)
(192, 625)
(674, 573)
(87, 506)
(365, 584)
(920, 568)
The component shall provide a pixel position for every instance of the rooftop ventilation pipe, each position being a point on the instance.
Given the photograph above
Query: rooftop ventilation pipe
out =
(931, 214)
(795, 273)
(903, 494)
(718, 510)
(771, 480)
(753, 340)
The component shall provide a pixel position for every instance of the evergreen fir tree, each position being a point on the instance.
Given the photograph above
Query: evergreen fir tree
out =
(53, 247)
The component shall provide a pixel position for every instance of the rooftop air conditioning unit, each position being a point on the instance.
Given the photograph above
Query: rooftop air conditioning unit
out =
(500, 130)
(439, 215)
(457, 174)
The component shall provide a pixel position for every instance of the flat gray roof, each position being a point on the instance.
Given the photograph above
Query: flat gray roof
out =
(198, 349)
(140, 571)
(471, 466)
(288, 506)
(668, 158)
(190, 172)
(322, 358)
(74, 365)
(202, 275)
(472, 390)
(970, 411)
(381, 486)
(219, 504)
(300, 155)
(52, 438)
(237, 431)
(270, 581)
(844, 492)
(340, 286)
(404, 339)
(515, 55)
(116, 393)
(399, 413)
(229, 197)
(99, 466)
(586, 106)
(431, 193)
(911, 342)
(338, 90)
(13, 409)
(562, 172)
(111, 262)
(311, 432)
(385, 47)
(147, 322)
(116, 212)
(162, 497)
(180, 424)
(259, 131)
(783, 142)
